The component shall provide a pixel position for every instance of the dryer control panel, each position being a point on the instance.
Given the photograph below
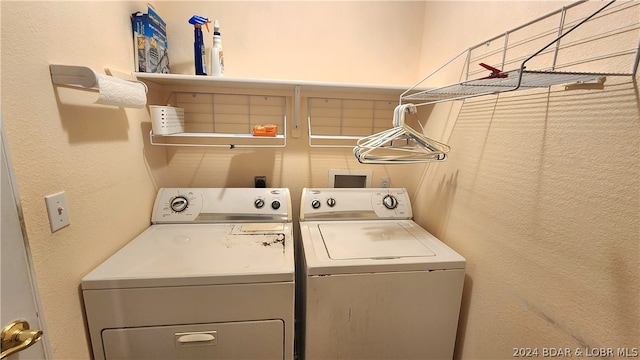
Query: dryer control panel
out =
(214, 205)
(354, 204)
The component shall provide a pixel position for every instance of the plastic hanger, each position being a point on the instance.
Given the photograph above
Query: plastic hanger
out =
(401, 144)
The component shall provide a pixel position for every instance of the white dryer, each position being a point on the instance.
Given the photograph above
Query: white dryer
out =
(211, 278)
(375, 285)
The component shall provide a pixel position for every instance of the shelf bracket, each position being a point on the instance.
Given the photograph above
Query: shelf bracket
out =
(295, 132)
(596, 84)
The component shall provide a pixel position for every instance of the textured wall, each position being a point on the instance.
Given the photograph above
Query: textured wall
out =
(93, 153)
(101, 156)
(541, 195)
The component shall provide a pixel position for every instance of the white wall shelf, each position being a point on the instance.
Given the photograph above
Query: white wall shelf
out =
(172, 80)
(230, 141)
(171, 84)
(335, 122)
(216, 119)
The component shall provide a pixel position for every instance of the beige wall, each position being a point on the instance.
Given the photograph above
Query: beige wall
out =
(101, 156)
(545, 209)
(541, 195)
(94, 154)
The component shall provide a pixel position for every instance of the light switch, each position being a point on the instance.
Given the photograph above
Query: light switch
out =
(57, 210)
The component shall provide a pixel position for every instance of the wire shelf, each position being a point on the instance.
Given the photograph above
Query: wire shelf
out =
(611, 31)
(512, 81)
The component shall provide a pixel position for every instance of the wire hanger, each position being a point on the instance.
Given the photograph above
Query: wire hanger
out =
(401, 144)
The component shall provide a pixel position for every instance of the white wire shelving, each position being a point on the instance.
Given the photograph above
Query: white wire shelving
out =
(573, 51)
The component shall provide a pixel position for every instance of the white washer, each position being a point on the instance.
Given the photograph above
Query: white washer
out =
(374, 285)
(211, 278)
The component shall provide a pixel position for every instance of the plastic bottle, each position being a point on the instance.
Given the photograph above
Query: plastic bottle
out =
(200, 57)
(217, 58)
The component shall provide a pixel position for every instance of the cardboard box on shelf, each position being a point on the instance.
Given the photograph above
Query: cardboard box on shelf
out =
(150, 41)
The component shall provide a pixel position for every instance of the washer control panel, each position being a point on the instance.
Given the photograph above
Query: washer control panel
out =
(354, 204)
(211, 205)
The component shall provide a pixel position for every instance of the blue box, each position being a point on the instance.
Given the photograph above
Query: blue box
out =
(150, 41)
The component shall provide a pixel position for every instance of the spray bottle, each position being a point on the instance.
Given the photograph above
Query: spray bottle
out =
(217, 60)
(200, 56)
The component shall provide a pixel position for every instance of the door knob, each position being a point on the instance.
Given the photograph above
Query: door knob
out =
(17, 336)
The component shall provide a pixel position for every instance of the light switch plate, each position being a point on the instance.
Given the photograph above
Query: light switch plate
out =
(57, 210)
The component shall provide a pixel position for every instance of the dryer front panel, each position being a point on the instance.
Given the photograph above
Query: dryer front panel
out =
(233, 340)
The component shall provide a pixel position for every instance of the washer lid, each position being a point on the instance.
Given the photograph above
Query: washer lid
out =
(372, 246)
(382, 240)
(199, 254)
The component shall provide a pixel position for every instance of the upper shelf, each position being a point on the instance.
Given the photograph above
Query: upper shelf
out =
(563, 47)
(268, 84)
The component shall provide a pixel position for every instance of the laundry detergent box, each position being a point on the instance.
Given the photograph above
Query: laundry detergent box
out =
(150, 41)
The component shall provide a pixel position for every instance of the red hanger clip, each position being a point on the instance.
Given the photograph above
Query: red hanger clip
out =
(495, 73)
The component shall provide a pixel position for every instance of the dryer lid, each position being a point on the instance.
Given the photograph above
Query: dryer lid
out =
(199, 254)
(371, 240)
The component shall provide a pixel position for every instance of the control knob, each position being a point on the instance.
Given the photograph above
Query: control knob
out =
(258, 203)
(315, 203)
(331, 202)
(275, 204)
(390, 202)
(179, 204)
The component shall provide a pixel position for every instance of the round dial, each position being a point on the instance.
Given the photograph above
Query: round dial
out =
(390, 202)
(275, 204)
(258, 203)
(179, 203)
(315, 203)
(331, 202)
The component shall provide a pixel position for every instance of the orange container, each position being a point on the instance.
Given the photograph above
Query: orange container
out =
(265, 130)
